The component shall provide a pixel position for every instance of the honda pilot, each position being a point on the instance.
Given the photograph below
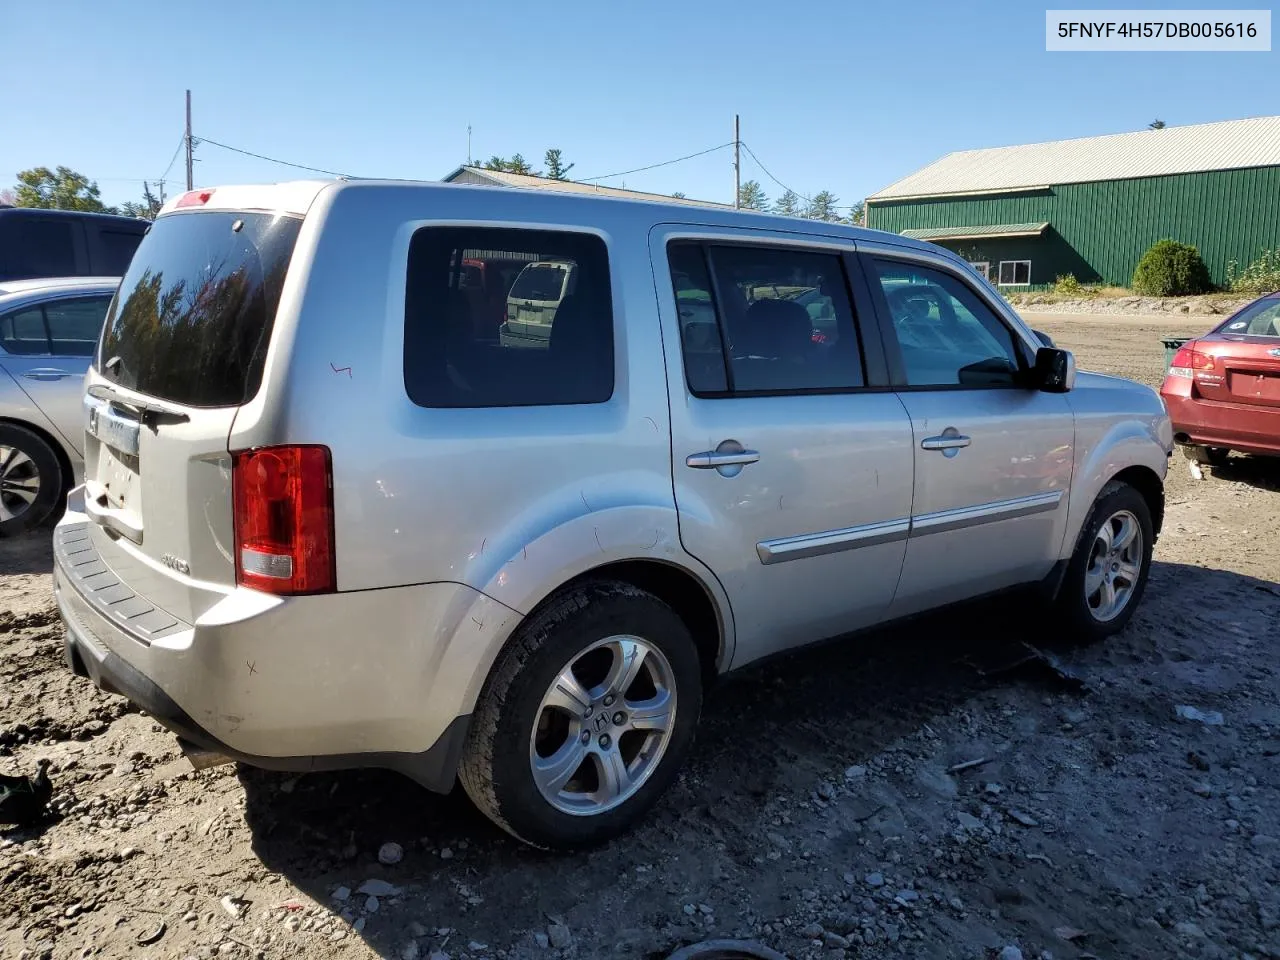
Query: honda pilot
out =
(330, 521)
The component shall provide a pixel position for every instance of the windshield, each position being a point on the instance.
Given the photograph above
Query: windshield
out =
(1260, 319)
(193, 316)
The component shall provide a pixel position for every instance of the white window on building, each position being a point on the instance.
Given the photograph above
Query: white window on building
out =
(983, 267)
(1015, 273)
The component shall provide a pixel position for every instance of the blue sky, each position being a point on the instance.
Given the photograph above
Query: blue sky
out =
(847, 96)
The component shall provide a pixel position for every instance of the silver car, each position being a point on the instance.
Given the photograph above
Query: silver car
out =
(48, 332)
(328, 522)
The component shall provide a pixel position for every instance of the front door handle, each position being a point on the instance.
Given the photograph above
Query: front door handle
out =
(46, 373)
(713, 460)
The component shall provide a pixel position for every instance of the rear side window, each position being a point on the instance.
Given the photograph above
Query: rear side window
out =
(115, 250)
(23, 334)
(507, 318)
(74, 325)
(193, 316)
(783, 318)
(38, 247)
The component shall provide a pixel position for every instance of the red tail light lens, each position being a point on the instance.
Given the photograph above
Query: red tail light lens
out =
(1189, 362)
(284, 519)
(194, 198)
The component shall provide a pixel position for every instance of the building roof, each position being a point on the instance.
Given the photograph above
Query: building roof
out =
(1228, 145)
(501, 178)
(985, 232)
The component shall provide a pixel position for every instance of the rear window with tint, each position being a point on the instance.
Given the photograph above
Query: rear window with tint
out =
(515, 342)
(539, 282)
(1260, 319)
(194, 313)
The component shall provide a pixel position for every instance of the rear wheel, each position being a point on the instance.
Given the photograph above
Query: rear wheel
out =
(1212, 456)
(30, 480)
(1108, 572)
(586, 718)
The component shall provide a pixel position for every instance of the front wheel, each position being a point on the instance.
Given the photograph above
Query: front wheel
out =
(1107, 574)
(586, 718)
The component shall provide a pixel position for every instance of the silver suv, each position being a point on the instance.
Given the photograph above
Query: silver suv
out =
(329, 520)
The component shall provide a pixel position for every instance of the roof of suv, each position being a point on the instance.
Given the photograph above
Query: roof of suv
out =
(113, 218)
(297, 196)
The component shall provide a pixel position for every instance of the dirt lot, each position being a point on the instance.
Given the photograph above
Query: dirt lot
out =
(817, 814)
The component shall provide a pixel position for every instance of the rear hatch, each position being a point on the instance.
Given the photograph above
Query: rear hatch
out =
(183, 347)
(1245, 357)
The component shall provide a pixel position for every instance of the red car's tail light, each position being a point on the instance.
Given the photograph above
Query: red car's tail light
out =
(283, 500)
(1189, 362)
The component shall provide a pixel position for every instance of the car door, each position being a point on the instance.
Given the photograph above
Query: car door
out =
(47, 348)
(791, 460)
(993, 456)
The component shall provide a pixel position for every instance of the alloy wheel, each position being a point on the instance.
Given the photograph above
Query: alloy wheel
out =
(603, 726)
(19, 483)
(1115, 564)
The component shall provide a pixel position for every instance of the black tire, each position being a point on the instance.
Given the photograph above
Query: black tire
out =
(1211, 456)
(1077, 617)
(495, 768)
(27, 459)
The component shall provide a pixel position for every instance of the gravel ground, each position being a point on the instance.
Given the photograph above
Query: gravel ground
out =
(817, 814)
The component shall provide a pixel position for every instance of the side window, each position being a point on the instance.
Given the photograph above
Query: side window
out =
(947, 335)
(23, 334)
(542, 335)
(784, 316)
(47, 248)
(115, 250)
(75, 325)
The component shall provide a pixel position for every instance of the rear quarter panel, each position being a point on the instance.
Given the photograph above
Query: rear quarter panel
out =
(511, 502)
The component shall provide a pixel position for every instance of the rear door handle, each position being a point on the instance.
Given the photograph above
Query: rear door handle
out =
(711, 460)
(46, 373)
(945, 442)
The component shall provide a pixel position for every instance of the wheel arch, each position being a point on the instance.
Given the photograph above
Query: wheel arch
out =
(1148, 483)
(703, 609)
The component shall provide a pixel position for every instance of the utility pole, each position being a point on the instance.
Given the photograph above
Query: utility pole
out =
(190, 185)
(737, 164)
(468, 144)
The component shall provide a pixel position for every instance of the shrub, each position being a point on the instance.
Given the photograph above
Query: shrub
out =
(1171, 269)
(1261, 276)
(1068, 285)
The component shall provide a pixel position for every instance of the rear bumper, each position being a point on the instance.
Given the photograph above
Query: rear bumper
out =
(1238, 426)
(365, 679)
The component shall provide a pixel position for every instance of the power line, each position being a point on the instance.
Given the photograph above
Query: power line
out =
(654, 166)
(174, 159)
(753, 156)
(751, 153)
(259, 156)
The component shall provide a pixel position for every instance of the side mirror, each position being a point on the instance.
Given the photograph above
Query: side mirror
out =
(1055, 370)
(1044, 338)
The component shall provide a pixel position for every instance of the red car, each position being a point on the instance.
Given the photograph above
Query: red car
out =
(1222, 390)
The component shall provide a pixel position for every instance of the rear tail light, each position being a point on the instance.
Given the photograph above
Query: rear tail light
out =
(284, 519)
(1190, 363)
(194, 198)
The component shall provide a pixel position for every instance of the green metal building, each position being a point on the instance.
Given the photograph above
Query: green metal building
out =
(1026, 215)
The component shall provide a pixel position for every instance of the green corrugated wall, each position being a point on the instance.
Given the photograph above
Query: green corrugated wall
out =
(1098, 231)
